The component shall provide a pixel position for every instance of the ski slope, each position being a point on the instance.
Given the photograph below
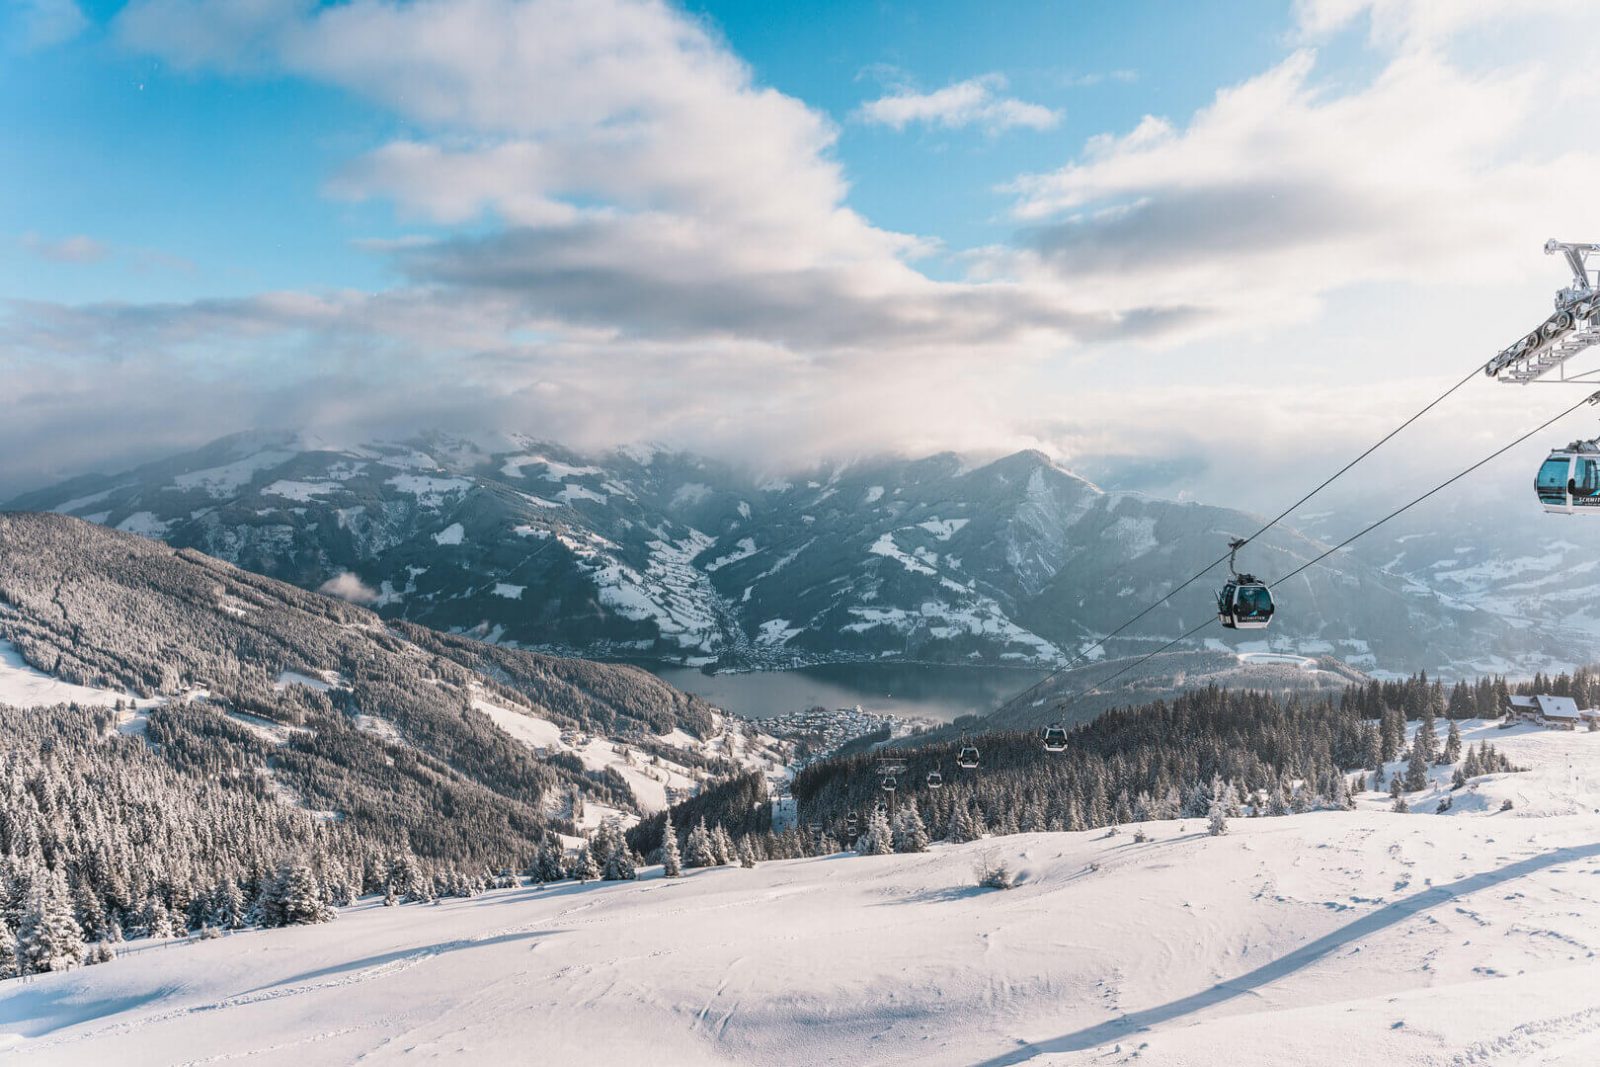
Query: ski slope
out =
(1324, 938)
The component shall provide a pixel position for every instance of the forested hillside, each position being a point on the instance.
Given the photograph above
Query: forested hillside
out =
(268, 729)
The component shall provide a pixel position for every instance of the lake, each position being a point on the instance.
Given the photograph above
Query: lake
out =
(928, 691)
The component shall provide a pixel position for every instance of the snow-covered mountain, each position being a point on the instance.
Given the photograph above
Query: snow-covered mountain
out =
(1331, 937)
(371, 727)
(648, 553)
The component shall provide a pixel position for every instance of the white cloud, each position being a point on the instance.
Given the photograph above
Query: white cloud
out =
(653, 244)
(974, 102)
(347, 586)
(46, 23)
(1285, 189)
(75, 249)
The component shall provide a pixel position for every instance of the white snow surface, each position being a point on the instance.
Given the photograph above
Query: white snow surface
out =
(24, 686)
(450, 535)
(1323, 938)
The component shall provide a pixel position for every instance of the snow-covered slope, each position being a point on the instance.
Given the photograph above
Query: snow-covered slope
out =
(1324, 938)
(649, 553)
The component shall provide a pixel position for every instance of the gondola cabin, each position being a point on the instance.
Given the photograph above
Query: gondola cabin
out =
(1568, 482)
(1245, 604)
(967, 758)
(1055, 738)
(935, 780)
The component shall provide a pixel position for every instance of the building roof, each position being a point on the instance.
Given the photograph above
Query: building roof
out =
(1523, 702)
(1557, 707)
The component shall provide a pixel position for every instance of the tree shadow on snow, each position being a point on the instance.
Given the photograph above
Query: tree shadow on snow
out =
(397, 956)
(1125, 1026)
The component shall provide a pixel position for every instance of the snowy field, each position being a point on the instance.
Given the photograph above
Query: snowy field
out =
(1326, 938)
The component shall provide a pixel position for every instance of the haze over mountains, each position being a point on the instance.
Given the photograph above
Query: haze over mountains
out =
(653, 554)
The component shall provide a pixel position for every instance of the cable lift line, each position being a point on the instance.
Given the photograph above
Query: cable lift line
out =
(1269, 524)
(1396, 513)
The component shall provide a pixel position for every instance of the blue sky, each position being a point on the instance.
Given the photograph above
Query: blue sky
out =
(781, 231)
(207, 184)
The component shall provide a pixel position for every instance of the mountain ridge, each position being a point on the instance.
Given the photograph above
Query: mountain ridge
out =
(653, 554)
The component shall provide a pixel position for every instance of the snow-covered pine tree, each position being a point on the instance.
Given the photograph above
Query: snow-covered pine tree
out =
(48, 937)
(8, 950)
(157, 920)
(583, 867)
(1217, 817)
(1452, 744)
(723, 845)
(549, 865)
(1277, 801)
(960, 829)
(878, 840)
(227, 906)
(698, 850)
(619, 865)
(910, 834)
(606, 841)
(671, 860)
(1417, 768)
(747, 858)
(296, 898)
(1427, 738)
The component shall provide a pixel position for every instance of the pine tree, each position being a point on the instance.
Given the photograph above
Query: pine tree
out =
(227, 910)
(1217, 817)
(960, 829)
(699, 850)
(297, 898)
(8, 950)
(48, 937)
(1452, 744)
(910, 835)
(671, 861)
(878, 839)
(549, 864)
(1417, 769)
(1427, 738)
(583, 867)
(747, 858)
(722, 845)
(618, 865)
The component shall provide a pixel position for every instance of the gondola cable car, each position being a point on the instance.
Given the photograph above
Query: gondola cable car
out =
(1054, 738)
(967, 758)
(935, 779)
(1245, 602)
(1568, 482)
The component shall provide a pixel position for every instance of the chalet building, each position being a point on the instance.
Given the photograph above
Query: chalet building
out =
(1561, 713)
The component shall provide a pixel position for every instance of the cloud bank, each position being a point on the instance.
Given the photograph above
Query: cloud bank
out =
(629, 236)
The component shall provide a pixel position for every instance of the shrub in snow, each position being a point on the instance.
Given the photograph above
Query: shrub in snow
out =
(208, 933)
(99, 952)
(1505, 805)
(1140, 837)
(992, 873)
(1400, 805)
(1217, 817)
